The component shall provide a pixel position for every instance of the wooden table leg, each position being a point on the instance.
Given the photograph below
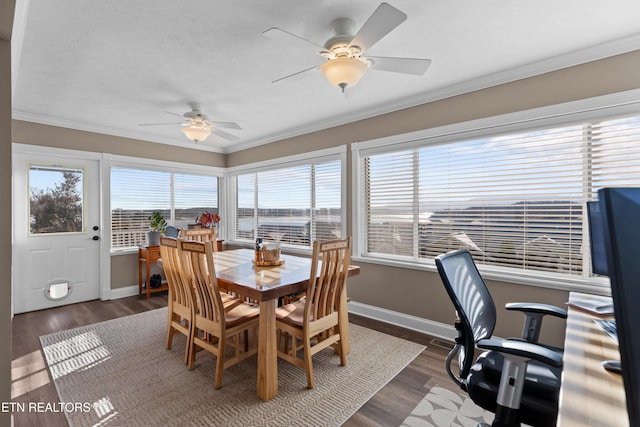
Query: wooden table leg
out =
(139, 276)
(148, 278)
(267, 384)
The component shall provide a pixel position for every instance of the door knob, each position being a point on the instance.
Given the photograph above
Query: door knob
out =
(96, 237)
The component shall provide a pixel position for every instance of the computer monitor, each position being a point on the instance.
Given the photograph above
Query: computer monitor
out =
(596, 237)
(620, 208)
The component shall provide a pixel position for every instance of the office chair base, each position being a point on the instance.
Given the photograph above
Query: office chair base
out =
(506, 417)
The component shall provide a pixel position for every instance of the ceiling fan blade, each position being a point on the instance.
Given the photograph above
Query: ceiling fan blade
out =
(174, 114)
(159, 124)
(298, 75)
(383, 20)
(226, 125)
(279, 34)
(414, 66)
(224, 135)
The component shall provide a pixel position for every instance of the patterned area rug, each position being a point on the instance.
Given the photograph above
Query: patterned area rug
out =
(118, 373)
(445, 408)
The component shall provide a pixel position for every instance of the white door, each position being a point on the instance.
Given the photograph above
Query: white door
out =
(56, 230)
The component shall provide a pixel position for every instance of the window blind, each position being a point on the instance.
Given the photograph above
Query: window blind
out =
(292, 205)
(615, 154)
(193, 195)
(514, 200)
(136, 193)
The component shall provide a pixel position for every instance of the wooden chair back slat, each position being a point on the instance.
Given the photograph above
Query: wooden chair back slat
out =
(332, 260)
(201, 235)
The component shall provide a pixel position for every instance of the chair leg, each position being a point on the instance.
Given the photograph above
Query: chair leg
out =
(217, 383)
(170, 331)
(308, 365)
(191, 343)
(187, 349)
(343, 351)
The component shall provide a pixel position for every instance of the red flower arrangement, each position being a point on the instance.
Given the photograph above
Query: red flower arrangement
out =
(208, 220)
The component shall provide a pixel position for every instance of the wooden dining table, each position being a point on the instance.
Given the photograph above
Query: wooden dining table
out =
(237, 273)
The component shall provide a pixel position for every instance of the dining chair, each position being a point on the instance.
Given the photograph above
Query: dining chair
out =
(201, 235)
(180, 307)
(171, 231)
(313, 322)
(218, 326)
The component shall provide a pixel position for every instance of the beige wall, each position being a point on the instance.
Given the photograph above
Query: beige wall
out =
(6, 21)
(611, 75)
(52, 136)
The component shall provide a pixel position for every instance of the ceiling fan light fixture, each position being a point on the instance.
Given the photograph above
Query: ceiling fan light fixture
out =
(344, 72)
(196, 133)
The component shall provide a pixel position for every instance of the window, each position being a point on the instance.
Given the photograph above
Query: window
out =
(136, 193)
(515, 200)
(294, 204)
(55, 199)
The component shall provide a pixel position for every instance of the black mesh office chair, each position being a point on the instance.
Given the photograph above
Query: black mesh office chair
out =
(516, 378)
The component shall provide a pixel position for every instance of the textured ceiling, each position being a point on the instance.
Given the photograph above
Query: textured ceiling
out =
(107, 66)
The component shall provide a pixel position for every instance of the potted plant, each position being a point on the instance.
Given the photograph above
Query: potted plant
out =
(157, 225)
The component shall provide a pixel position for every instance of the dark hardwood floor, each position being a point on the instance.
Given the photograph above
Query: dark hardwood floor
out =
(31, 381)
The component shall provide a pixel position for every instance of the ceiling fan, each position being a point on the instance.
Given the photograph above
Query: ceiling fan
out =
(197, 126)
(344, 53)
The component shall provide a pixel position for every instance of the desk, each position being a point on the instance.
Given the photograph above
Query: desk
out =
(589, 396)
(235, 272)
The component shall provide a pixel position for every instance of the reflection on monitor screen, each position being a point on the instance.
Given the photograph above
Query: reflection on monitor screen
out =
(620, 208)
(596, 238)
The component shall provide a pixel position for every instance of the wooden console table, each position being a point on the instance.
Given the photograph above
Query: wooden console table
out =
(147, 255)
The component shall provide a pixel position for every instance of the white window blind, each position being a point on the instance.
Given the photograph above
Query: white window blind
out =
(193, 195)
(293, 205)
(513, 200)
(616, 153)
(136, 193)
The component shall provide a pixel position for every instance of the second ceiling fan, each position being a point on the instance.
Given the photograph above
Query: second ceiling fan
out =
(197, 127)
(344, 53)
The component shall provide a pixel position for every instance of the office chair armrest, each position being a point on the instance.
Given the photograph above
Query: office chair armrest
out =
(523, 349)
(537, 308)
(534, 312)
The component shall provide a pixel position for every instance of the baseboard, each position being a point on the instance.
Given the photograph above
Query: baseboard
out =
(407, 321)
(127, 291)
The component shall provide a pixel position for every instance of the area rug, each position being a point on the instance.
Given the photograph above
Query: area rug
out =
(445, 408)
(118, 373)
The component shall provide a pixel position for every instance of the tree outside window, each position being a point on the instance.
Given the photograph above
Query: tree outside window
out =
(56, 204)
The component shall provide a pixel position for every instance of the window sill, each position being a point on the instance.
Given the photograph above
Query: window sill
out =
(597, 286)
